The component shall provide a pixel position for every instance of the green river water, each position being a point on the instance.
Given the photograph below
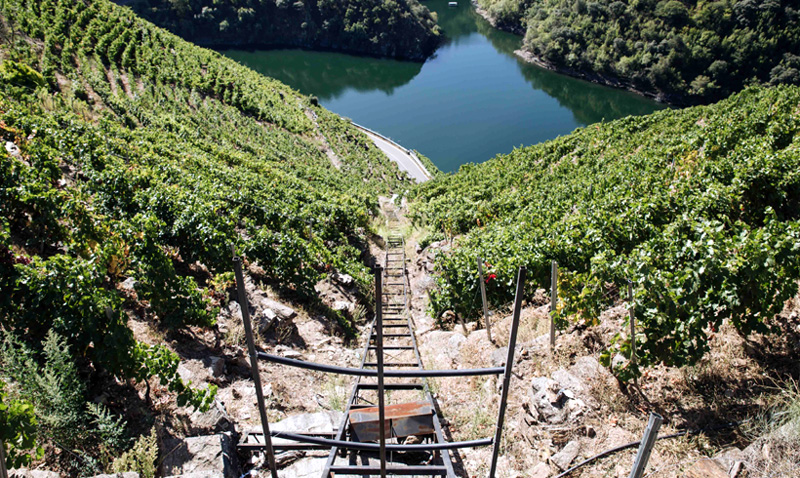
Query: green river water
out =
(472, 100)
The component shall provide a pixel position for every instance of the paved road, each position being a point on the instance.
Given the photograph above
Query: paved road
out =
(405, 161)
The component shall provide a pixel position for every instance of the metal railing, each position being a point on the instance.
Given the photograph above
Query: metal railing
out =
(395, 305)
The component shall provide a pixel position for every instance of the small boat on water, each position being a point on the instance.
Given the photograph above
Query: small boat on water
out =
(452, 4)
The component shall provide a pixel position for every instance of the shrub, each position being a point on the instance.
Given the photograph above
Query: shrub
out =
(17, 430)
(54, 389)
(141, 458)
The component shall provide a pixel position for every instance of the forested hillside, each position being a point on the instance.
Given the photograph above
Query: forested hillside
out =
(680, 51)
(699, 208)
(131, 162)
(396, 28)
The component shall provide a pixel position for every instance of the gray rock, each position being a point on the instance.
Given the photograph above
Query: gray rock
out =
(426, 283)
(545, 403)
(567, 455)
(568, 381)
(129, 284)
(439, 245)
(199, 371)
(729, 457)
(343, 305)
(283, 458)
(292, 354)
(309, 422)
(344, 279)
(437, 342)
(26, 473)
(250, 286)
(232, 311)
(547, 385)
(280, 309)
(269, 315)
(456, 341)
(215, 420)
(311, 467)
(542, 470)
(215, 366)
(575, 407)
(193, 371)
(266, 320)
(499, 357)
(554, 403)
(304, 422)
(587, 368)
(12, 150)
(210, 456)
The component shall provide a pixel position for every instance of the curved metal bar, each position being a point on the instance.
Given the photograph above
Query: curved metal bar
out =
(374, 373)
(354, 445)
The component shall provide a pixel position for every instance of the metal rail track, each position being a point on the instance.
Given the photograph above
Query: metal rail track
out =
(348, 456)
(394, 302)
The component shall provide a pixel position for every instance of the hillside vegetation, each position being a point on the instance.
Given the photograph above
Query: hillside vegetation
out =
(699, 208)
(131, 162)
(681, 51)
(395, 28)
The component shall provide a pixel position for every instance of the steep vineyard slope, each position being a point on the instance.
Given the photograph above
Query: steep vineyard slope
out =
(131, 161)
(699, 208)
(681, 51)
(399, 29)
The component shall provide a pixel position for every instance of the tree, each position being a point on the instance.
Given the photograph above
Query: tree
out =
(673, 12)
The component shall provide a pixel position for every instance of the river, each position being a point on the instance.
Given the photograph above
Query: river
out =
(472, 100)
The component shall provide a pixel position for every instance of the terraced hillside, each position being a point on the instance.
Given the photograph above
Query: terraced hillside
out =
(699, 208)
(132, 161)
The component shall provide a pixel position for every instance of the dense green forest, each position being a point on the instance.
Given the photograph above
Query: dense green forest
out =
(699, 208)
(682, 51)
(394, 28)
(131, 160)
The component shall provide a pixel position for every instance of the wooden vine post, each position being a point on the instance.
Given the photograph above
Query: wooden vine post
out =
(3, 471)
(553, 302)
(632, 316)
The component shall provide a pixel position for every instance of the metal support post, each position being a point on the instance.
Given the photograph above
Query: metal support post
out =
(483, 296)
(646, 446)
(512, 345)
(553, 302)
(3, 471)
(379, 361)
(251, 347)
(632, 315)
(463, 325)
